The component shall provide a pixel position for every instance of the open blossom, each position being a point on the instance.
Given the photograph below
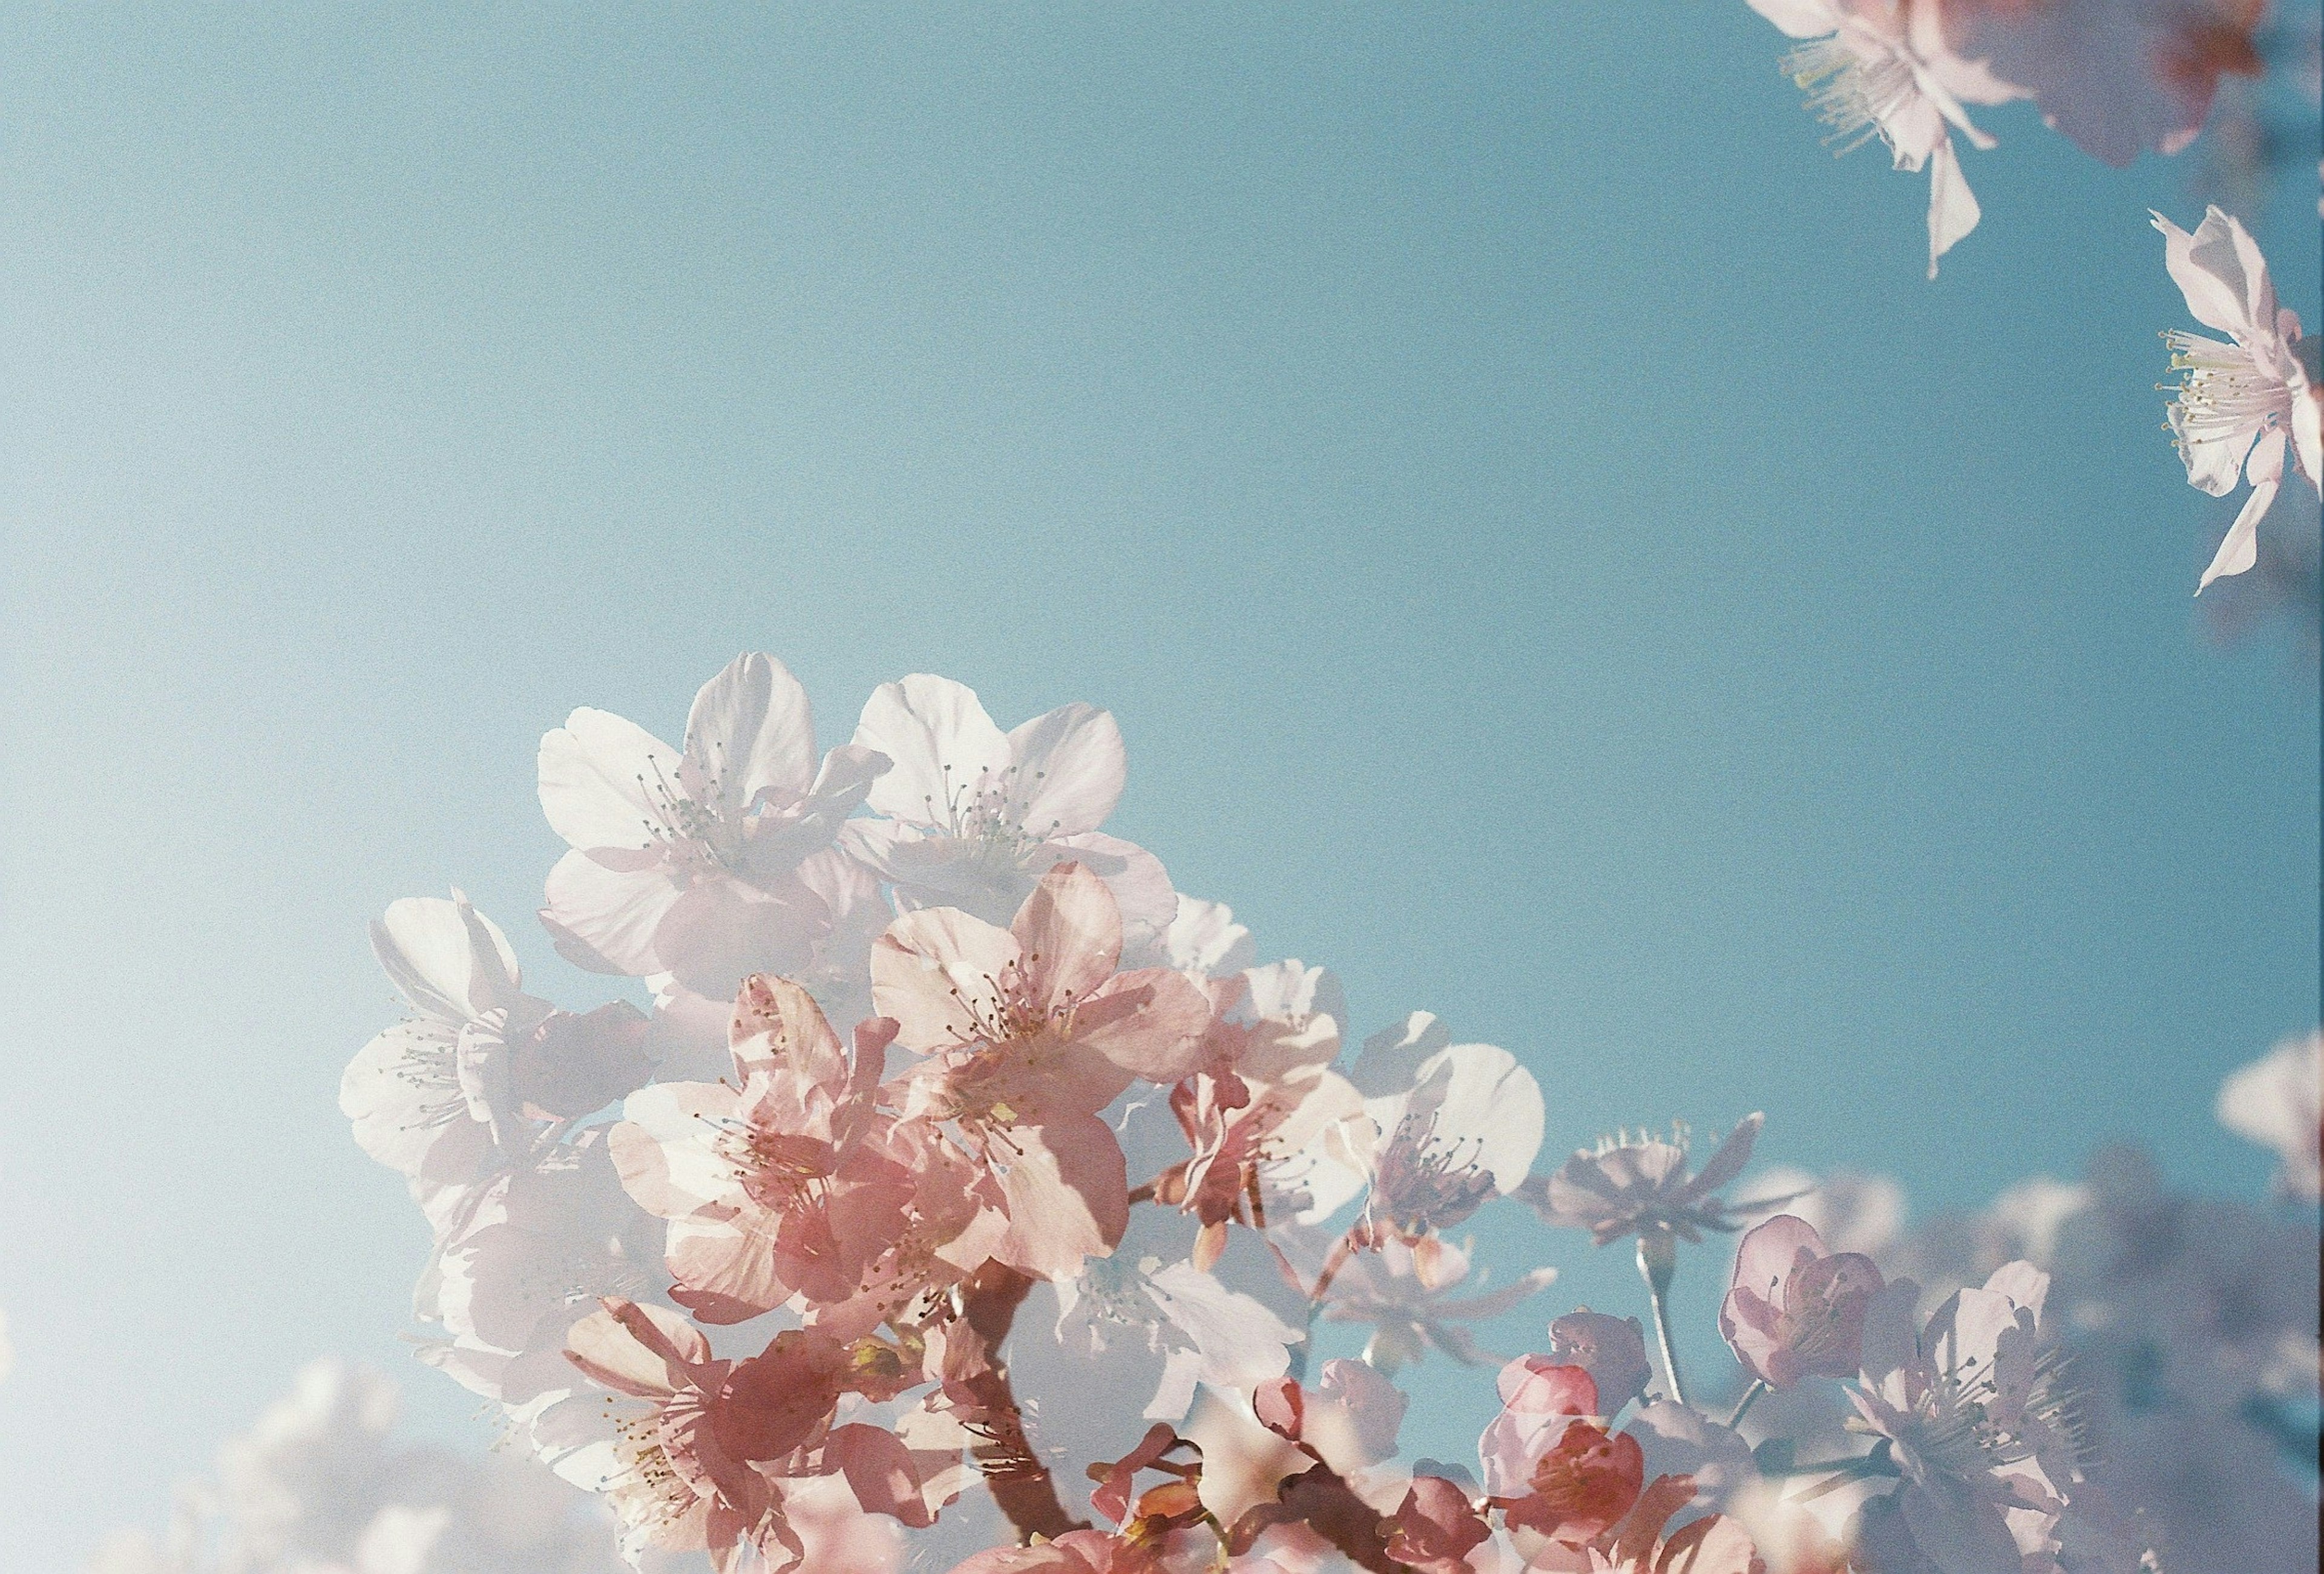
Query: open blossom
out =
(1273, 1133)
(2243, 402)
(686, 862)
(1456, 1124)
(445, 1096)
(783, 1181)
(1971, 1411)
(1639, 1185)
(1611, 1350)
(971, 817)
(2278, 1102)
(1882, 68)
(1026, 1033)
(1795, 1309)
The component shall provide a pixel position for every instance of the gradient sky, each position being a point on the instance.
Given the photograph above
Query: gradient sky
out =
(1552, 554)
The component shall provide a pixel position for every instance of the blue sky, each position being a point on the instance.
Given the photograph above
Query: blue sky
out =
(1552, 554)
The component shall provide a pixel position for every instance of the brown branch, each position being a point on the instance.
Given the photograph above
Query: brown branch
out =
(1019, 1483)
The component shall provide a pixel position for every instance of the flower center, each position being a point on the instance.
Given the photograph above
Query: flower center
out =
(1855, 96)
(2221, 392)
(985, 817)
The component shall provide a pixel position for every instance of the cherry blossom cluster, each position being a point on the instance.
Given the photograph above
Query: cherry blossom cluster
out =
(962, 1196)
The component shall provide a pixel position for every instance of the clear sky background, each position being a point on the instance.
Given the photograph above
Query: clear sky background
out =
(1553, 556)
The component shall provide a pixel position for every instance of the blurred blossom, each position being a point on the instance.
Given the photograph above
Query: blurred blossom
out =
(319, 1484)
(1410, 1314)
(1641, 1185)
(2278, 1102)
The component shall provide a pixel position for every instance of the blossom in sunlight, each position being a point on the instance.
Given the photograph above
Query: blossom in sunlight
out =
(1456, 1124)
(686, 861)
(784, 1180)
(1640, 1186)
(1026, 1033)
(2278, 1102)
(971, 817)
(451, 1092)
(1970, 1409)
(2119, 77)
(1795, 1308)
(1882, 68)
(1410, 1315)
(2241, 403)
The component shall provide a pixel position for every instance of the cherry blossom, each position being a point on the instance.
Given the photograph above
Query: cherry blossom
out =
(1611, 1350)
(1795, 1308)
(1457, 1125)
(1410, 1315)
(973, 816)
(1028, 1032)
(2278, 1102)
(686, 861)
(2240, 403)
(1882, 68)
(1204, 1331)
(1971, 1413)
(450, 1094)
(1638, 1185)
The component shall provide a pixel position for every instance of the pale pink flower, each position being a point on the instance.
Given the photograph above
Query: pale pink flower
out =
(1204, 1331)
(1882, 68)
(523, 1258)
(678, 1464)
(1273, 1134)
(1640, 1186)
(1456, 1124)
(451, 1094)
(1540, 1398)
(780, 1183)
(973, 816)
(2240, 404)
(686, 861)
(1028, 1032)
(2119, 77)
(1972, 1417)
(2278, 1102)
(1794, 1309)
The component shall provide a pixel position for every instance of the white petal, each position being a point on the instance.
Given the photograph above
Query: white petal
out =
(1953, 211)
(1070, 768)
(751, 727)
(925, 725)
(2240, 550)
(590, 779)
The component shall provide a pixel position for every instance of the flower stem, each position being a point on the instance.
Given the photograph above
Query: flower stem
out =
(1657, 1263)
(1759, 1387)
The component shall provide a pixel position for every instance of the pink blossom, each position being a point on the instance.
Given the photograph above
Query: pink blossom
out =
(1539, 1398)
(1640, 1184)
(1027, 1033)
(781, 1182)
(1794, 1309)
(1611, 1350)
(1411, 1313)
(1972, 1418)
(1456, 1125)
(2240, 403)
(686, 861)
